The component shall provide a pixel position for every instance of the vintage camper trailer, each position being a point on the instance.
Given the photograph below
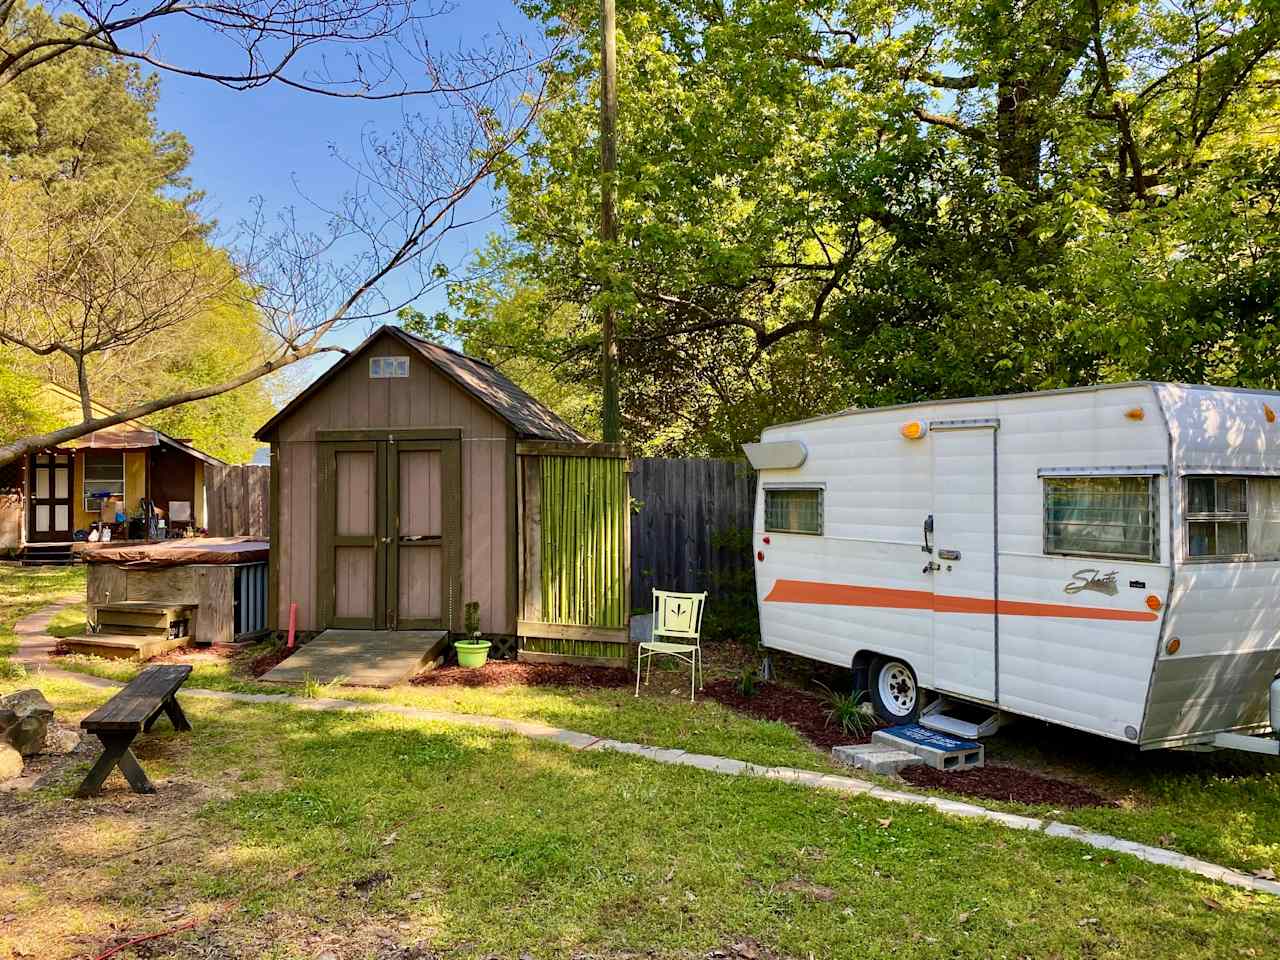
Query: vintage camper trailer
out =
(1106, 558)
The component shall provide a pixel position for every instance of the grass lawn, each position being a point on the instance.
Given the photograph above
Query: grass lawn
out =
(287, 834)
(1224, 808)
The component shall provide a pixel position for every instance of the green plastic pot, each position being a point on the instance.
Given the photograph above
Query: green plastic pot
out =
(472, 653)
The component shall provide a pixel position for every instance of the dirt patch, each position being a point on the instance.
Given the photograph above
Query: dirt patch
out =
(505, 673)
(804, 712)
(1007, 784)
(744, 949)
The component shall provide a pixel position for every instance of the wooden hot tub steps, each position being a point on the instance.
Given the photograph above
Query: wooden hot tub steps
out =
(124, 646)
(145, 617)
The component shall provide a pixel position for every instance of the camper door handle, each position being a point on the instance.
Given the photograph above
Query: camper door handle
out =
(949, 554)
(928, 532)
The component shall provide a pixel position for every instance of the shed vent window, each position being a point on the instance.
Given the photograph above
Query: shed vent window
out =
(1102, 517)
(793, 510)
(382, 368)
(1232, 518)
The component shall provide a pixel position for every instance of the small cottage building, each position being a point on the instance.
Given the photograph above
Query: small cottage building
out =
(131, 479)
(410, 480)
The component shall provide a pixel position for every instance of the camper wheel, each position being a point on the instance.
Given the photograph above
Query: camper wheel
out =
(894, 692)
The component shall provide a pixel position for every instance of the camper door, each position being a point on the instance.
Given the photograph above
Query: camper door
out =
(963, 563)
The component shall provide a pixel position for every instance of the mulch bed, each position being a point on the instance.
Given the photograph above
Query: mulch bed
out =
(270, 660)
(507, 673)
(1009, 784)
(802, 711)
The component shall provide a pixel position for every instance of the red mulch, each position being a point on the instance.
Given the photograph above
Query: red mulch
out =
(995, 782)
(802, 711)
(270, 659)
(508, 673)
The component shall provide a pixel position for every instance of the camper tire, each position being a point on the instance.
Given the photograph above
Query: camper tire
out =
(895, 694)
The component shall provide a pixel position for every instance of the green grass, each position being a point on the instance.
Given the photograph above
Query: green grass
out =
(1224, 808)
(25, 590)
(308, 831)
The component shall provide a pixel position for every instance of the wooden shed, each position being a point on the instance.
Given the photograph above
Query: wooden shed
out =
(410, 479)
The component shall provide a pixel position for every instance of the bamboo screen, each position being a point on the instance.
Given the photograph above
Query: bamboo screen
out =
(584, 514)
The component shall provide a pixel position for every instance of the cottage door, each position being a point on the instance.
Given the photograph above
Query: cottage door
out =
(51, 517)
(965, 624)
(352, 525)
(423, 504)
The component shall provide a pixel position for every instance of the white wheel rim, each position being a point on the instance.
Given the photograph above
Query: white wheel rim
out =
(897, 688)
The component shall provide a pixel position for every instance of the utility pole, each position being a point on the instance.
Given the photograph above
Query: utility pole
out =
(611, 417)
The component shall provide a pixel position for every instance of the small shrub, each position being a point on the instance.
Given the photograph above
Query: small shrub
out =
(12, 671)
(471, 620)
(313, 689)
(748, 684)
(847, 710)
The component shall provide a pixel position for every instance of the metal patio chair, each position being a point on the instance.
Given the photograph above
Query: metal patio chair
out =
(678, 616)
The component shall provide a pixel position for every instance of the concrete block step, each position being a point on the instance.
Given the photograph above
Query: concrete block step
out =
(938, 750)
(874, 758)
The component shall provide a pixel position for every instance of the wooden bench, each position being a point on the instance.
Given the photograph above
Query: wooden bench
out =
(132, 711)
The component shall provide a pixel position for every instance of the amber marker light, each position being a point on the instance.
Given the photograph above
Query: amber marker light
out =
(1153, 602)
(1173, 646)
(1268, 413)
(913, 430)
(1137, 413)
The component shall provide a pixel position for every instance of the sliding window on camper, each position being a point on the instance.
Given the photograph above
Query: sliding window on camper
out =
(1232, 518)
(793, 510)
(1102, 516)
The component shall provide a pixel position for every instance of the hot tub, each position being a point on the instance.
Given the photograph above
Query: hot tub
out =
(220, 582)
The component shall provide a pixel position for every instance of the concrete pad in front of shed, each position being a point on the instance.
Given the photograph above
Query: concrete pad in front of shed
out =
(361, 658)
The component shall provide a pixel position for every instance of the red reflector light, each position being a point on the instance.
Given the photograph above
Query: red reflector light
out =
(759, 554)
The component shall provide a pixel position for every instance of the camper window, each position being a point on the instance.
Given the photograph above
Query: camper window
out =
(1102, 516)
(793, 510)
(1232, 518)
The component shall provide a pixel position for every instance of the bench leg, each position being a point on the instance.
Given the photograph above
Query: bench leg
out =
(176, 716)
(115, 752)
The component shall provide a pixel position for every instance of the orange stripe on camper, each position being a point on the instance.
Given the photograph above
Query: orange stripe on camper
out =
(849, 595)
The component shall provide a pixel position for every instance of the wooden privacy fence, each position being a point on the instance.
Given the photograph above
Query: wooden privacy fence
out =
(238, 500)
(691, 526)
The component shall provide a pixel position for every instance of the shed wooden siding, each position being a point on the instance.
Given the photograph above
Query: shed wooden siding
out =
(426, 398)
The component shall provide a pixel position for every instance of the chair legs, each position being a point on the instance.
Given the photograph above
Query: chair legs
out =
(697, 671)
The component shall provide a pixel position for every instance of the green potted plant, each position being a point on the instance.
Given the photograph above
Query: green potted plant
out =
(472, 651)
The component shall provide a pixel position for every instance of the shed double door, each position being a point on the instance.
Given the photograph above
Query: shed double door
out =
(388, 537)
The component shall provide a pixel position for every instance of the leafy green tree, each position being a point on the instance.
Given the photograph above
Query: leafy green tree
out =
(841, 201)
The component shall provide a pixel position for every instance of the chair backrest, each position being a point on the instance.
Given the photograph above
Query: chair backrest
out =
(678, 615)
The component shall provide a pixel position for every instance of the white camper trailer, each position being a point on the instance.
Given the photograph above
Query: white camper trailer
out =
(1105, 558)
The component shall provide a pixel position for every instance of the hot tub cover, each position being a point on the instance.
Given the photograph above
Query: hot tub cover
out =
(176, 553)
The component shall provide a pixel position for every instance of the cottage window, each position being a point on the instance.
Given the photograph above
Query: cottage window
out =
(382, 368)
(1232, 518)
(1102, 516)
(103, 477)
(793, 510)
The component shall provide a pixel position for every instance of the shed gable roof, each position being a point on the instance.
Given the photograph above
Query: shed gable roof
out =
(526, 415)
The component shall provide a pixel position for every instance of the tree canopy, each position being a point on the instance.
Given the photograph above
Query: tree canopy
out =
(848, 202)
(102, 246)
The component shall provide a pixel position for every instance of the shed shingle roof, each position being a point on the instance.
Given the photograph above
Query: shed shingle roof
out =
(528, 417)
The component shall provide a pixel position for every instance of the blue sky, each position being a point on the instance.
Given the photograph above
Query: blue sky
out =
(276, 142)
